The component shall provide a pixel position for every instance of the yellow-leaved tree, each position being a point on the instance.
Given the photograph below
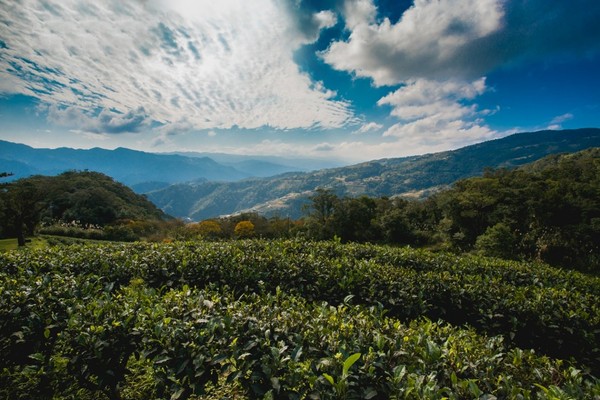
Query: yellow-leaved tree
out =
(244, 229)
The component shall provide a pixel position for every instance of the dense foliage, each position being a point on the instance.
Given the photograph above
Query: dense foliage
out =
(89, 198)
(291, 319)
(549, 211)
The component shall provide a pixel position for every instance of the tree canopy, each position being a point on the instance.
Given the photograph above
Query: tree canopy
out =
(90, 198)
(549, 211)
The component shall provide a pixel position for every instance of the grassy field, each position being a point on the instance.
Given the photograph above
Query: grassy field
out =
(11, 244)
(43, 241)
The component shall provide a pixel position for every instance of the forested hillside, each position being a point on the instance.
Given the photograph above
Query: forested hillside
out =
(417, 176)
(548, 210)
(83, 198)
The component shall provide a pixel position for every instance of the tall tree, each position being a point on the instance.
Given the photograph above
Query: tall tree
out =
(321, 210)
(22, 205)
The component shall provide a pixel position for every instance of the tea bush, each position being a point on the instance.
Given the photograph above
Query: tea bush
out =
(291, 319)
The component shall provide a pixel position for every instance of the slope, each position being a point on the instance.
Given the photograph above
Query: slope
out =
(415, 176)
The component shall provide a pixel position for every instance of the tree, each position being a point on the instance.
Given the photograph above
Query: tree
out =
(497, 241)
(352, 219)
(395, 226)
(320, 219)
(244, 229)
(207, 229)
(22, 206)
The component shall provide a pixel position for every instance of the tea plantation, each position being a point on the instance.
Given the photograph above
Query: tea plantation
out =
(292, 320)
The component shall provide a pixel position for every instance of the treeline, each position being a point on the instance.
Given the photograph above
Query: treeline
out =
(548, 211)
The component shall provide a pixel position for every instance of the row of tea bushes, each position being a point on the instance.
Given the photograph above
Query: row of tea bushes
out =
(531, 305)
(81, 337)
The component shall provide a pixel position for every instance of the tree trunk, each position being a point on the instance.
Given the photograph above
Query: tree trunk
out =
(20, 235)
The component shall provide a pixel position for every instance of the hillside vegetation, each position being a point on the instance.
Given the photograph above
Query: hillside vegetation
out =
(290, 320)
(78, 199)
(417, 176)
(547, 211)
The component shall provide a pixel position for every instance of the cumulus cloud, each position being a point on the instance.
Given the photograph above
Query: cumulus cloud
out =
(439, 50)
(425, 43)
(324, 19)
(203, 64)
(460, 38)
(358, 13)
(423, 98)
(432, 52)
(437, 112)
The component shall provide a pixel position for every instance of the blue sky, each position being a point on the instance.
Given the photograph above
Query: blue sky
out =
(348, 80)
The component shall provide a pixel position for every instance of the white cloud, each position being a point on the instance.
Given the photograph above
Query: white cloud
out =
(325, 19)
(369, 127)
(562, 118)
(423, 98)
(105, 121)
(434, 115)
(425, 43)
(204, 64)
(442, 39)
(359, 12)
(557, 121)
(424, 52)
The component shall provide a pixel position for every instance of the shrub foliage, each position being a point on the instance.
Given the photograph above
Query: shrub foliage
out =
(291, 319)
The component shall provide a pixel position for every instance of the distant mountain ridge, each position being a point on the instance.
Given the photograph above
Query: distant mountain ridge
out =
(131, 167)
(283, 164)
(415, 176)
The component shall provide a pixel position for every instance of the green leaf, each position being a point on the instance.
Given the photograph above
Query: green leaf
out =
(162, 360)
(297, 353)
(350, 362)
(369, 393)
(454, 379)
(177, 394)
(37, 357)
(329, 379)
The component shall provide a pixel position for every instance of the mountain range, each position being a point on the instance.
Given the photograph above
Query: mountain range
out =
(196, 186)
(416, 176)
(141, 170)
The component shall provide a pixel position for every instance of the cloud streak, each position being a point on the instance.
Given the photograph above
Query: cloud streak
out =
(204, 64)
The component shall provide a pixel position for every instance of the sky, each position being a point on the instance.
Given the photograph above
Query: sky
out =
(344, 80)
